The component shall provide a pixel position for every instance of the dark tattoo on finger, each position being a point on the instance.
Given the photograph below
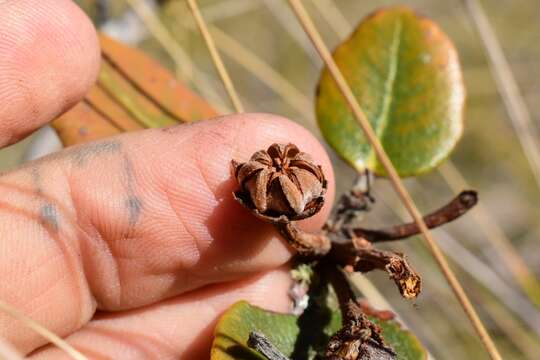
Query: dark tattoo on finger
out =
(133, 202)
(49, 216)
(134, 206)
(82, 154)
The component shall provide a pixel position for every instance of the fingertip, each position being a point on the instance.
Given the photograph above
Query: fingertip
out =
(265, 129)
(49, 58)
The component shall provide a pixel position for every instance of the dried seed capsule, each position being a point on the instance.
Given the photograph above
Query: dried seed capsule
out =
(280, 183)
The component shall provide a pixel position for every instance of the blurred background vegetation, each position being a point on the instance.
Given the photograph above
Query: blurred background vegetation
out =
(489, 155)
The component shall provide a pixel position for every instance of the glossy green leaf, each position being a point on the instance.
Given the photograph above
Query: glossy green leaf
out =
(405, 73)
(405, 344)
(233, 329)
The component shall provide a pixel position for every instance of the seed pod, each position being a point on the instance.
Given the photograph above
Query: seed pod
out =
(280, 184)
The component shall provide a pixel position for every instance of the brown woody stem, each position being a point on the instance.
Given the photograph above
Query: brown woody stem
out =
(451, 211)
(306, 244)
(358, 336)
(362, 256)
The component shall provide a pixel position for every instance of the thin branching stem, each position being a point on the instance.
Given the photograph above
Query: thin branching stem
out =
(346, 91)
(459, 206)
(216, 58)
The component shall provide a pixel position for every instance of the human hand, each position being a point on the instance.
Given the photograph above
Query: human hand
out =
(130, 247)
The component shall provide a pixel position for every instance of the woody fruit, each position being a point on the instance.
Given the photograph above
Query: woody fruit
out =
(280, 183)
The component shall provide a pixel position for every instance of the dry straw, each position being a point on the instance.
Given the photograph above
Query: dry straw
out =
(43, 331)
(216, 58)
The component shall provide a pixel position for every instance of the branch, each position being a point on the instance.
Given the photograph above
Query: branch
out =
(308, 245)
(358, 337)
(451, 211)
(360, 255)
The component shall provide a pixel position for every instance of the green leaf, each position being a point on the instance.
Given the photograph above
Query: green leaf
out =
(405, 73)
(232, 332)
(405, 344)
(300, 337)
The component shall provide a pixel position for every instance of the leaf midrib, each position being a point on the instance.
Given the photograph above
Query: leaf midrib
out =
(389, 84)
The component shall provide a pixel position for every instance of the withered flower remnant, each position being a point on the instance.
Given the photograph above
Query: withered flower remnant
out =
(280, 184)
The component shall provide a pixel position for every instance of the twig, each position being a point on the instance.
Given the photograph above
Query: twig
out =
(216, 58)
(306, 244)
(260, 342)
(360, 255)
(449, 212)
(358, 337)
(338, 77)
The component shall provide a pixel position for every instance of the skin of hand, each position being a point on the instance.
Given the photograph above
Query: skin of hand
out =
(130, 247)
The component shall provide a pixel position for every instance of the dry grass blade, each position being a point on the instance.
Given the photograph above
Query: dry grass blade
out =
(216, 58)
(454, 283)
(486, 277)
(479, 271)
(496, 237)
(507, 87)
(184, 66)
(43, 331)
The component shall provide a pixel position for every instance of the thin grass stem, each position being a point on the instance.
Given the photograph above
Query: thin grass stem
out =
(43, 331)
(216, 58)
